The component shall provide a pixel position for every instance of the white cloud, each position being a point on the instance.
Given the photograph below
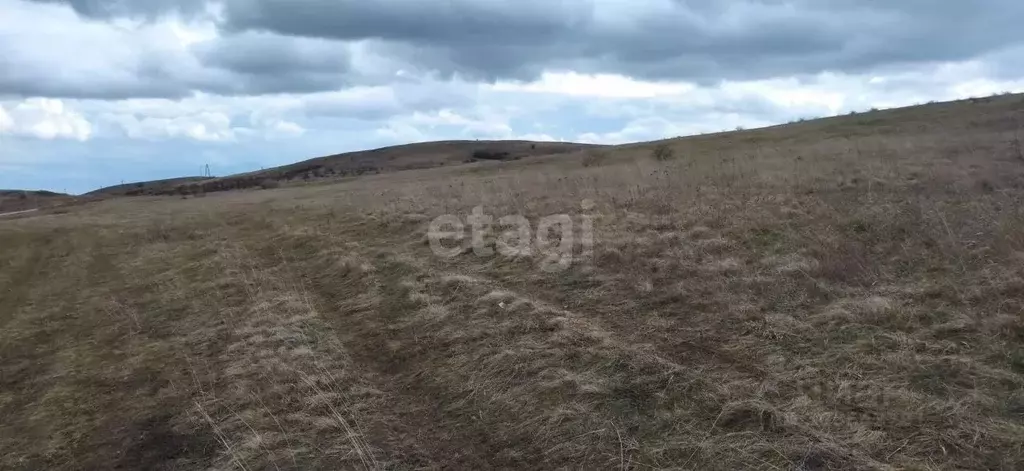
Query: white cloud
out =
(401, 132)
(204, 118)
(267, 122)
(202, 126)
(596, 85)
(444, 117)
(538, 137)
(478, 122)
(6, 122)
(637, 130)
(356, 101)
(284, 129)
(44, 118)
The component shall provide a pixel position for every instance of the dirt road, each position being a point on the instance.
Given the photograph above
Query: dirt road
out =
(18, 212)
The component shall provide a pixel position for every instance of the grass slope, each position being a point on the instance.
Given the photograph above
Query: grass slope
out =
(21, 200)
(837, 294)
(149, 188)
(334, 167)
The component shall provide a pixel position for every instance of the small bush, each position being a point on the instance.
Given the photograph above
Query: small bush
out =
(1017, 147)
(269, 184)
(483, 154)
(662, 152)
(594, 158)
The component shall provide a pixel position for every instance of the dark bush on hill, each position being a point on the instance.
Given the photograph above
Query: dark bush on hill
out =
(483, 154)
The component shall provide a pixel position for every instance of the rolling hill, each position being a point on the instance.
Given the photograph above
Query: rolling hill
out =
(387, 159)
(21, 200)
(844, 293)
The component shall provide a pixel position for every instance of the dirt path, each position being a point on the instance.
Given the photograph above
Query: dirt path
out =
(18, 212)
(517, 377)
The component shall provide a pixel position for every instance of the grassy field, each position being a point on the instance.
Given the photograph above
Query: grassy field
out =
(845, 293)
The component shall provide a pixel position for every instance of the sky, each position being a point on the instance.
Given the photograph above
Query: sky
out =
(96, 92)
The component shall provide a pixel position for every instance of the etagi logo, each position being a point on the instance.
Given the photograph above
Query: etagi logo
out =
(555, 241)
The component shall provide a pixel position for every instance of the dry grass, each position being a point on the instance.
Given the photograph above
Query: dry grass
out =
(836, 294)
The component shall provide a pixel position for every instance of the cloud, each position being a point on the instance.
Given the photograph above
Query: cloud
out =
(278, 46)
(285, 129)
(701, 40)
(6, 121)
(205, 118)
(261, 63)
(597, 85)
(147, 9)
(272, 126)
(204, 126)
(43, 118)
(46, 50)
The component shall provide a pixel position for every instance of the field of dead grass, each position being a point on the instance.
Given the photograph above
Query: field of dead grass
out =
(836, 294)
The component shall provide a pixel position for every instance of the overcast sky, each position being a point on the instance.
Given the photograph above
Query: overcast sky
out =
(93, 92)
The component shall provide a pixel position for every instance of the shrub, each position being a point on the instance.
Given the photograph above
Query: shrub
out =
(662, 152)
(483, 154)
(1018, 148)
(594, 157)
(269, 184)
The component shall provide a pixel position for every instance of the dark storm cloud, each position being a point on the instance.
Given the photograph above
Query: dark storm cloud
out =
(49, 52)
(698, 40)
(32, 78)
(493, 40)
(27, 84)
(263, 54)
(257, 63)
(131, 8)
(453, 22)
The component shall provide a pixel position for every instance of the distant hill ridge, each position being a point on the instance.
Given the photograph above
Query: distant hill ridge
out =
(1007, 109)
(386, 159)
(21, 200)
